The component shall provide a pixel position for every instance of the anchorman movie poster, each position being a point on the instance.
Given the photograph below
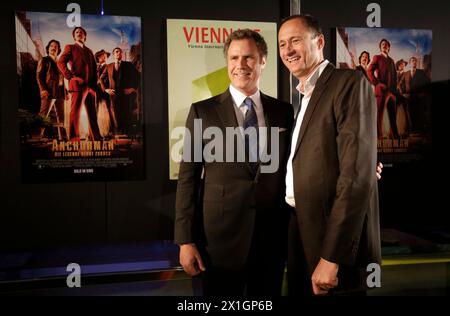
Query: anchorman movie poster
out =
(397, 63)
(197, 68)
(80, 98)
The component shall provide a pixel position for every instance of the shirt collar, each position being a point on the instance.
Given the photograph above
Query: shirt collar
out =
(79, 44)
(311, 81)
(239, 97)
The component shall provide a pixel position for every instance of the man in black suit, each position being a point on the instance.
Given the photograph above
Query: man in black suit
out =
(417, 86)
(232, 224)
(123, 81)
(330, 183)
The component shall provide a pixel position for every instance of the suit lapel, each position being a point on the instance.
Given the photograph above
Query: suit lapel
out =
(270, 115)
(321, 84)
(269, 110)
(225, 110)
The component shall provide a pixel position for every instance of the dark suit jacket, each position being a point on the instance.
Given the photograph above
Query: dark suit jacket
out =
(83, 65)
(386, 74)
(48, 78)
(221, 220)
(416, 84)
(126, 77)
(335, 187)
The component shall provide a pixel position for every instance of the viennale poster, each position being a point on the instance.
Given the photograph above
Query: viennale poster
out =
(80, 97)
(197, 67)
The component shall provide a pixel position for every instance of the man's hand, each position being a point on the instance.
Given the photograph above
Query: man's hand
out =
(382, 86)
(129, 91)
(44, 94)
(190, 259)
(110, 91)
(379, 170)
(324, 277)
(78, 80)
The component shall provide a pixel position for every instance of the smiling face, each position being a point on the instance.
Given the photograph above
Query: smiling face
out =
(245, 65)
(300, 50)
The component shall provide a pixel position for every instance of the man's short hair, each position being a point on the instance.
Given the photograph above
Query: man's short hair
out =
(384, 40)
(79, 27)
(246, 34)
(50, 43)
(310, 21)
(117, 48)
(413, 58)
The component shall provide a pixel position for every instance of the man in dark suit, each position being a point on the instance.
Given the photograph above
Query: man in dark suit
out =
(383, 75)
(403, 117)
(50, 82)
(417, 86)
(123, 79)
(232, 224)
(82, 76)
(330, 182)
(102, 97)
(364, 60)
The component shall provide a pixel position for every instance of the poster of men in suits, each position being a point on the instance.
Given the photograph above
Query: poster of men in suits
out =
(80, 97)
(397, 62)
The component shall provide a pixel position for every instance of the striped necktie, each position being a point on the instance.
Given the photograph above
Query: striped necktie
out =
(251, 120)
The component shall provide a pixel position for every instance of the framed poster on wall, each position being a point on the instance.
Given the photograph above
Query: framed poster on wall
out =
(80, 97)
(197, 67)
(397, 62)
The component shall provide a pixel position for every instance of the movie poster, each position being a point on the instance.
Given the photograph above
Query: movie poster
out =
(397, 62)
(80, 97)
(197, 67)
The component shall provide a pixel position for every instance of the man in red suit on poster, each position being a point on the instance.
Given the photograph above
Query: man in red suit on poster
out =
(383, 75)
(77, 63)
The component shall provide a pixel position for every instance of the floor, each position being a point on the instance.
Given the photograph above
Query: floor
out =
(411, 266)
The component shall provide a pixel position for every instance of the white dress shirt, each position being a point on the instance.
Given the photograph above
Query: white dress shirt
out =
(306, 89)
(240, 108)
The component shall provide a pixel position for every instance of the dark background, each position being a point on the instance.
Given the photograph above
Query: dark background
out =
(35, 216)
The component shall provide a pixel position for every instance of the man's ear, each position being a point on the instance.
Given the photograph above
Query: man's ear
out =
(320, 41)
(263, 62)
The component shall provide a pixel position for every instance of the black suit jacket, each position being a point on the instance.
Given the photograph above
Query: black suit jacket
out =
(416, 84)
(334, 163)
(218, 212)
(49, 78)
(126, 77)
